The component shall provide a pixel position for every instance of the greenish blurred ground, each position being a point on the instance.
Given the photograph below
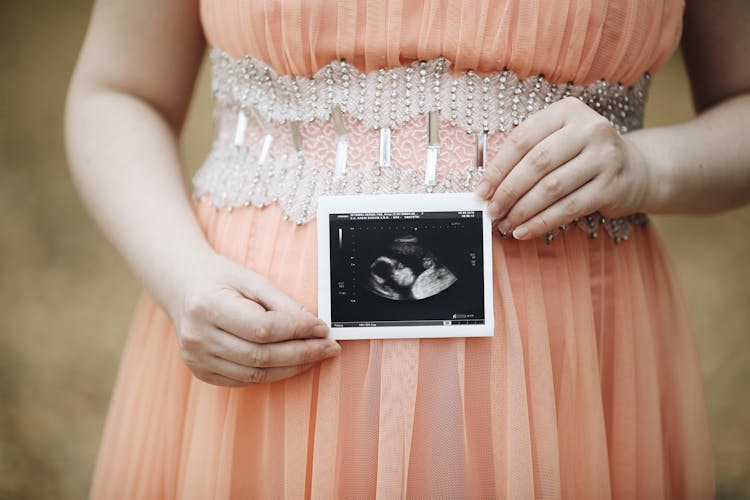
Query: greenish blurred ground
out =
(66, 298)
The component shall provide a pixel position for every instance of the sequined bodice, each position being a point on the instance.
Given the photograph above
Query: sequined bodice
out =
(414, 129)
(317, 97)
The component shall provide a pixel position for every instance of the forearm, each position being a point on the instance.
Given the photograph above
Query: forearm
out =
(125, 164)
(700, 166)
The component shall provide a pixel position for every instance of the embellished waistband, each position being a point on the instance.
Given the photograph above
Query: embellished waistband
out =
(413, 129)
(389, 98)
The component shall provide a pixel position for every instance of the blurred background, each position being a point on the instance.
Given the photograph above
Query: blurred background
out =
(66, 297)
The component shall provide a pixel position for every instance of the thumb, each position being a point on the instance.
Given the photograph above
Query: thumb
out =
(267, 294)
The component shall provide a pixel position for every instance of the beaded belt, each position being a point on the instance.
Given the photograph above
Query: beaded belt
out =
(411, 129)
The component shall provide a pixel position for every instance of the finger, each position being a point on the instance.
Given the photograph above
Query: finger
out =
(251, 375)
(259, 289)
(276, 326)
(248, 320)
(579, 203)
(549, 154)
(281, 326)
(553, 187)
(290, 353)
(517, 143)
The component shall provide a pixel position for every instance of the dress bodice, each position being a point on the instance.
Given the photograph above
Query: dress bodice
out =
(566, 40)
(318, 98)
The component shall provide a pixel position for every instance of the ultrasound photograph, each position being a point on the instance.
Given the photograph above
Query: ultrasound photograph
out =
(406, 269)
(408, 272)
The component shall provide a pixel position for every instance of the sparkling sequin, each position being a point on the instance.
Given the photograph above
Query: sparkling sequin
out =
(300, 166)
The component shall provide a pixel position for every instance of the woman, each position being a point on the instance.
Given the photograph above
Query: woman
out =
(590, 387)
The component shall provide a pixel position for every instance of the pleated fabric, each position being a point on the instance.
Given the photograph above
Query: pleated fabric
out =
(590, 389)
(566, 40)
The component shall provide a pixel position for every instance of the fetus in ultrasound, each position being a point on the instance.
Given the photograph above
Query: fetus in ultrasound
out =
(408, 271)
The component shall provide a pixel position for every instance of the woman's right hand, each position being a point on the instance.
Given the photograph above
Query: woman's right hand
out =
(236, 328)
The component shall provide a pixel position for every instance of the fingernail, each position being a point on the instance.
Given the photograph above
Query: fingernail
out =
(483, 190)
(494, 210)
(520, 232)
(320, 330)
(332, 349)
(504, 226)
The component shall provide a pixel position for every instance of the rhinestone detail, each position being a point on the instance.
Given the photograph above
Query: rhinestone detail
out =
(391, 97)
(397, 99)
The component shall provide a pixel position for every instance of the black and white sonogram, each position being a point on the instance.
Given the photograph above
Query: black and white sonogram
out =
(408, 271)
(406, 268)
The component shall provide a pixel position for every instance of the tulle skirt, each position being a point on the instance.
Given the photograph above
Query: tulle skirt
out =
(591, 388)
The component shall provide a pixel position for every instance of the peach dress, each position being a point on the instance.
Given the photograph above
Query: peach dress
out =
(591, 387)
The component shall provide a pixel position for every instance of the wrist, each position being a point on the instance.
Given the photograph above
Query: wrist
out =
(656, 173)
(173, 272)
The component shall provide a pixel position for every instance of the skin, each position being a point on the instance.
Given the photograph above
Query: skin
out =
(127, 104)
(567, 161)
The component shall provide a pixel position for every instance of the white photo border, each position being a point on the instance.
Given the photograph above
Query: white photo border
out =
(383, 203)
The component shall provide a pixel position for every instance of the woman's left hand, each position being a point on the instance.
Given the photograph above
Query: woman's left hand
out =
(563, 162)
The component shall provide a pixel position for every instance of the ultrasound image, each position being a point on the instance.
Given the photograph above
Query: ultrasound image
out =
(394, 269)
(408, 272)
